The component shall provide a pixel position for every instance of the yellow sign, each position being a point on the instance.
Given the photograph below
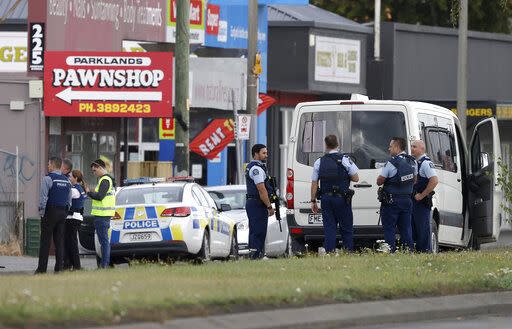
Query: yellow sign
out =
(166, 128)
(476, 112)
(504, 111)
(257, 69)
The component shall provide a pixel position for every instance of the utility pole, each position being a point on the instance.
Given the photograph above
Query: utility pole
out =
(181, 108)
(462, 66)
(376, 29)
(252, 79)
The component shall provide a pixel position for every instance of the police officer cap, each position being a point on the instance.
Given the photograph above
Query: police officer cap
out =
(98, 163)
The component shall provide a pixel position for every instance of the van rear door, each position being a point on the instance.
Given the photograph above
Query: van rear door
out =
(365, 131)
(484, 193)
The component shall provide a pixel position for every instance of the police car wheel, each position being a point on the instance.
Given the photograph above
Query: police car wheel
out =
(288, 252)
(233, 253)
(434, 239)
(204, 253)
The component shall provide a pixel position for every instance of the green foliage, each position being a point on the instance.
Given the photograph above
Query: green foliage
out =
(484, 15)
(505, 182)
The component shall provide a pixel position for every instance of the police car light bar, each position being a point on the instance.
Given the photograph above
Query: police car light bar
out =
(181, 179)
(144, 180)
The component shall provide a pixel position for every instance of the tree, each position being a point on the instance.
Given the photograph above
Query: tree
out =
(505, 182)
(484, 15)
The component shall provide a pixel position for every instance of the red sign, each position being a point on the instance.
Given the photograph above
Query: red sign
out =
(107, 84)
(264, 102)
(214, 138)
(212, 19)
(195, 14)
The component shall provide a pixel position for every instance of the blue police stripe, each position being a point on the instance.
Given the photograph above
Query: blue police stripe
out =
(166, 234)
(114, 236)
(129, 213)
(195, 223)
(151, 212)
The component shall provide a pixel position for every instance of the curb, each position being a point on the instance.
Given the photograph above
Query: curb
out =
(345, 315)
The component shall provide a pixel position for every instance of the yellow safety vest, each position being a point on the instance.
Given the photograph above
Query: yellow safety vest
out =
(107, 206)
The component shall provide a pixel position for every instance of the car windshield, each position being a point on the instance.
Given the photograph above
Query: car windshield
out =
(149, 195)
(235, 198)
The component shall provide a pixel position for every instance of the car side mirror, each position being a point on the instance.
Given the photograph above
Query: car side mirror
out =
(225, 207)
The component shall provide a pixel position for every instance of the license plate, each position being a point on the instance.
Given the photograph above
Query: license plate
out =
(315, 219)
(140, 236)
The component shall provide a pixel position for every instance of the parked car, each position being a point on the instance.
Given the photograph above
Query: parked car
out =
(171, 219)
(277, 242)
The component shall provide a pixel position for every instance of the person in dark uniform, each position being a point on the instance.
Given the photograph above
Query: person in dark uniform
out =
(74, 220)
(422, 199)
(334, 170)
(258, 205)
(54, 202)
(398, 177)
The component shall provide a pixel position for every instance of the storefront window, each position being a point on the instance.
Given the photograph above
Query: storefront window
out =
(150, 130)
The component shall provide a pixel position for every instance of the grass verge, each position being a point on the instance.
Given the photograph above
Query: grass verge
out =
(157, 292)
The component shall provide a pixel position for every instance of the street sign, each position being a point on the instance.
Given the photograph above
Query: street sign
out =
(166, 128)
(214, 138)
(107, 84)
(243, 127)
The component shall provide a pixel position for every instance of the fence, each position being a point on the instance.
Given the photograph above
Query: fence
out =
(11, 209)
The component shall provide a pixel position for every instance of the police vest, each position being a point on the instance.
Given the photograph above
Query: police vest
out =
(422, 182)
(403, 181)
(107, 206)
(332, 174)
(58, 195)
(78, 203)
(252, 190)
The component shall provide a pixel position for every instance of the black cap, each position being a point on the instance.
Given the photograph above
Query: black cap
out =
(98, 163)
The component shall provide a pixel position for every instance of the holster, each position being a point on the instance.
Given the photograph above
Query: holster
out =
(348, 196)
(383, 196)
(427, 201)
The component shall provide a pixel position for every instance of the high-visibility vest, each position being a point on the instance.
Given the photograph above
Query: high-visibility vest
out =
(107, 206)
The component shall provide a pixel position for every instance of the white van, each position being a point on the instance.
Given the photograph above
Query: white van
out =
(466, 211)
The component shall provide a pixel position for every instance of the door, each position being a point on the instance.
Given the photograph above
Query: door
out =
(484, 193)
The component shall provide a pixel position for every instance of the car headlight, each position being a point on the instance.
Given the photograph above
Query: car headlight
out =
(243, 225)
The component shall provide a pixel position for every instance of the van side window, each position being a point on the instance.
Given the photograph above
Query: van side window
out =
(433, 147)
(441, 148)
(447, 152)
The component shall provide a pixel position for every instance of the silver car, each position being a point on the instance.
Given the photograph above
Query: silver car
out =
(277, 243)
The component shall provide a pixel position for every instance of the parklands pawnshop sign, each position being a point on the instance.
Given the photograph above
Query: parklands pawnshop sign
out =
(108, 84)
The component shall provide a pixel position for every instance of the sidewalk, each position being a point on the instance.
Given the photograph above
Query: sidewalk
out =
(27, 264)
(344, 315)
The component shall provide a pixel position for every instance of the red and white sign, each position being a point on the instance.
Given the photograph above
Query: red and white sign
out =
(214, 138)
(264, 102)
(195, 13)
(107, 84)
(212, 19)
(243, 127)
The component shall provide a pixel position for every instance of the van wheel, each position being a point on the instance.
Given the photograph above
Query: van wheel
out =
(434, 236)
(298, 246)
(474, 242)
(204, 254)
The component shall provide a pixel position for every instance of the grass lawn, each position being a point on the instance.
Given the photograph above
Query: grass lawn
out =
(158, 292)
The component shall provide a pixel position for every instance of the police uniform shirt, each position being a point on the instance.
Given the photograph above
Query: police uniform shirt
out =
(257, 174)
(427, 168)
(346, 162)
(389, 170)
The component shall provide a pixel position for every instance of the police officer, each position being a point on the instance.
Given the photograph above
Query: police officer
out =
(54, 202)
(422, 201)
(334, 170)
(398, 177)
(258, 205)
(103, 207)
(74, 220)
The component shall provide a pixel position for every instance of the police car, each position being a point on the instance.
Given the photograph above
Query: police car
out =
(169, 219)
(277, 242)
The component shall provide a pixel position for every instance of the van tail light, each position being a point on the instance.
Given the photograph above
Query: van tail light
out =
(116, 216)
(296, 231)
(290, 198)
(176, 212)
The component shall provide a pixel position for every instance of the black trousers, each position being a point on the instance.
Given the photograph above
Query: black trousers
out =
(71, 253)
(52, 224)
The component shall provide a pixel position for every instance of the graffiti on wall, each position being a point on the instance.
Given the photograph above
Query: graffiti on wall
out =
(26, 172)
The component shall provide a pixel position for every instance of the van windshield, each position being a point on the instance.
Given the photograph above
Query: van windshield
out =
(365, 135)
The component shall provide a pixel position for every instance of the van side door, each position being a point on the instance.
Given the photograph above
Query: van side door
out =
(484, 193)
